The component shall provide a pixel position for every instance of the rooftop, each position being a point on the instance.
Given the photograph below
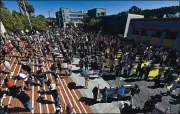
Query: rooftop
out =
(98, 8)
(156, 19)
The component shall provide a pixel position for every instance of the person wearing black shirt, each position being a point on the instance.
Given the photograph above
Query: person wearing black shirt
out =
(53, 71)
(95, 93)
(52, 89)
(25, 99)
(41, 76)
(86, 64)
(27, 68)
(81, 64)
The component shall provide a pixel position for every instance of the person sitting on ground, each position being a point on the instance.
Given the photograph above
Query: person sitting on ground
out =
(26, 82)
(17, 93)
(53, 90)
(121, 92)
(8, 66)
(41, 76)
(27, 68)
(53, 71)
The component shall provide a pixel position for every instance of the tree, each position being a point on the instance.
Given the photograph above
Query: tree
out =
(134, 10)
(151, 13)
(123, 12)
(18, 25)
(93, 24)
(30, 9)
(7, 19)
(39, 23)
(1, 4)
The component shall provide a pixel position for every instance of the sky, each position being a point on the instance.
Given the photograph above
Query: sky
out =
(113, 7)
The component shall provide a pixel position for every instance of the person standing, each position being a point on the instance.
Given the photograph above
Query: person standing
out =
(86, 64)
(69, 68)
(86, 77)
(95, 93)
(104, 95)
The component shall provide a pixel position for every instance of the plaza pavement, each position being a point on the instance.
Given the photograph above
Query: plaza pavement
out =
(138, 100)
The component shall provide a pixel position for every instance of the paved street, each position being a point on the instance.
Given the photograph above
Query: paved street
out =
(138, 100)
(145, 92)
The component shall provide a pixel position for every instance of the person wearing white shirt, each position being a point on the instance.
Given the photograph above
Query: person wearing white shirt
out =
(8, 66)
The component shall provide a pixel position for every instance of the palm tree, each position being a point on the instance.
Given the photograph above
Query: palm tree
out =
(24, 5)
(1, 4)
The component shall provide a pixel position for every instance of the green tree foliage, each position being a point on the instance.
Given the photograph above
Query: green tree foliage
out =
(150, 13)
(39, 23)
(16, 21)
(7, 19)
(92, 24)
(18, 25)
(30, 9)
(1, 4)
(134, 10)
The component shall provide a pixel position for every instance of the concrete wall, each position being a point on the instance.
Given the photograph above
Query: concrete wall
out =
(99, 11)
(66, 14)
(94, 12)
(129, 17)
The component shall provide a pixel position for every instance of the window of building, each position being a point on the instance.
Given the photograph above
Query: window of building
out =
(98, 14)
(102, 13)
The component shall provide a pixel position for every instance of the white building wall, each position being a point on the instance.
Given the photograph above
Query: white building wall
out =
(129, 17)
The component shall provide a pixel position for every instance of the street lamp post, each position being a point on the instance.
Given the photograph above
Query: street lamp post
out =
(50, 14)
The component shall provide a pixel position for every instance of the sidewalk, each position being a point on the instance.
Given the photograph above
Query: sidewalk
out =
(87, 93)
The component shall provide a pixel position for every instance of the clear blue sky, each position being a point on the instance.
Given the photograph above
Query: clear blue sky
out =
(113, 7)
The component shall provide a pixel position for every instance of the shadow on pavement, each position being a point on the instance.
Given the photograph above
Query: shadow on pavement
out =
(175, 100)
(155, 87)
(43, 101)
(88, 101)
(72, 85)
(132, 80)
(17, 110)
(4, 72)
(76, 71)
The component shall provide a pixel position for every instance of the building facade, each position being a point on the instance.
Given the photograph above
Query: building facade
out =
(97, 12)
(66, 16)
(117, 24)
(161, 32)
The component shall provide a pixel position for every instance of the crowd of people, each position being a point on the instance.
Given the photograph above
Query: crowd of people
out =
(93, 50)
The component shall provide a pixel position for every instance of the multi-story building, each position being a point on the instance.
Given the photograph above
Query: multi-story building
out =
(161, 32)
(65, 16)
(97, 12)
(117, 24)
